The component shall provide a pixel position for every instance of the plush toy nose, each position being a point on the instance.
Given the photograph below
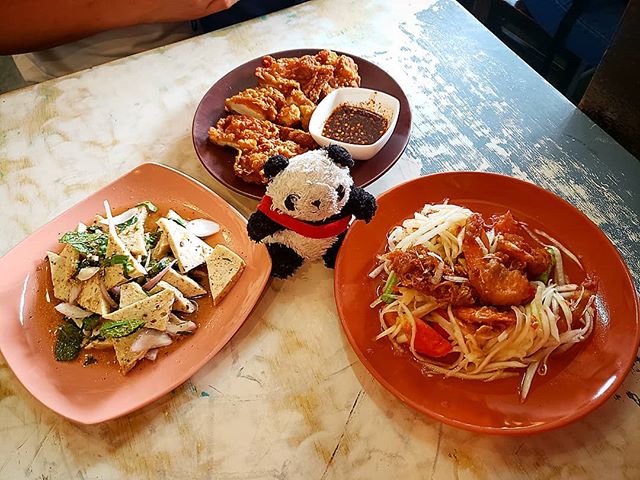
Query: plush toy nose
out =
(316, 203)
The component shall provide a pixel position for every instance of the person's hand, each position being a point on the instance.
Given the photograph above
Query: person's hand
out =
(179, 10)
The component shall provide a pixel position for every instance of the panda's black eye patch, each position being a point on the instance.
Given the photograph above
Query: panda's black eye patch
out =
(340, 192)
(290, 201)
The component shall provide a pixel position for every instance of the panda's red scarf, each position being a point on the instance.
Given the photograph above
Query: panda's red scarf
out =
(305, 229)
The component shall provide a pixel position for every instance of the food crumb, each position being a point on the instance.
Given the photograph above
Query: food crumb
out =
(89, 360)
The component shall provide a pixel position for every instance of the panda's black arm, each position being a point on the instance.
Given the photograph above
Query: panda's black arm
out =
(361, 204)
(260, 226)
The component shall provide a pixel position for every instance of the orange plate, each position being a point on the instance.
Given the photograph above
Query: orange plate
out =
(99, 392)
(577, 382)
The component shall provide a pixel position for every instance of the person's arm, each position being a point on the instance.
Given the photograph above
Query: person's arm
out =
(29, 25)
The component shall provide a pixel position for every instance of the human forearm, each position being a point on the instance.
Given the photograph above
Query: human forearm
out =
(29, 25)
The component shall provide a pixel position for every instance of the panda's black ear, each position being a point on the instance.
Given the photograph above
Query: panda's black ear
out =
(275, 165)
(340, 155)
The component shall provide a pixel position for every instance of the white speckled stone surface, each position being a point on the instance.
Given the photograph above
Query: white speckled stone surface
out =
(287, 398)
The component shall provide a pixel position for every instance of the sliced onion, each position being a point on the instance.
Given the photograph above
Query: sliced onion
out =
(150, 339)
(123, 217)
(481, 245)
(153, 281)
(376, 271)
(560, 246)
(86, 273)
(116, 290)
(81, 228)
(75, 291)
(455, 278)
(152, 355)
(201, 227)
(72, 311)
(437, 276)
(194, 306)
(175, 328)
(106, 296)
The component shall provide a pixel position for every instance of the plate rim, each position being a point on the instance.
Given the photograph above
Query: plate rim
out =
(507, 431)
(195, 367)
(306, 51)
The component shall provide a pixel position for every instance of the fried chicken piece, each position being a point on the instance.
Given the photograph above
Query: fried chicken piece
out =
(415, 268)
(315, 75)
(268, 103)
(514, 241)
(495, 283)
(484, 315)
(256, 141)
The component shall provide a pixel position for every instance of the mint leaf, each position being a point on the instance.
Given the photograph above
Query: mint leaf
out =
(94, 243)
(68, 341)
(91, 322)
(158, 266)
(120, 260)
(151, 239)
(179, 221)
(127, 223)
(122, 328)
(150, 206)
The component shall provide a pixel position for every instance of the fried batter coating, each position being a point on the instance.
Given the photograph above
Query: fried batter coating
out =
(417, 269)
(256, 141)
(315, 75)
(268, 103)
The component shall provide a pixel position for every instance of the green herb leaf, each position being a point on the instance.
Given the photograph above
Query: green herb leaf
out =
(88, 262)
(179, 221)
(127, 223)
(157, 267)
(94, 243)
(387, 293)
(122, 328)
(545, 276)
(68, 341)
(89, 323)
(151, 239)
(120, 260)
(150, 206)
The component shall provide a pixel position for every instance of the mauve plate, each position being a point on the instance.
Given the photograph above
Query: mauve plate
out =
(99, 392)
(219, 160)
(577, 381)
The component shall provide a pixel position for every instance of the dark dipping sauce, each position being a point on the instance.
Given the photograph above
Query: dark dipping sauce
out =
(355, 125)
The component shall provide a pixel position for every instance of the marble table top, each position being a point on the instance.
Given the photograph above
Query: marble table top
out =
(280, 401)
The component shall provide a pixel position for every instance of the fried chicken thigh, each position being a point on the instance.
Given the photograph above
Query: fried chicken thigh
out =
(257, 140)
(269, 103)
(263, 117)
(316, 75)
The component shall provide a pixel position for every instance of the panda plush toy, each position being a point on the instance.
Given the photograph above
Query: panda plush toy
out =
(309, 203)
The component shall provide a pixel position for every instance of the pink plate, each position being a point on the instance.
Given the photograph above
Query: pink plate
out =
(99, 392)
